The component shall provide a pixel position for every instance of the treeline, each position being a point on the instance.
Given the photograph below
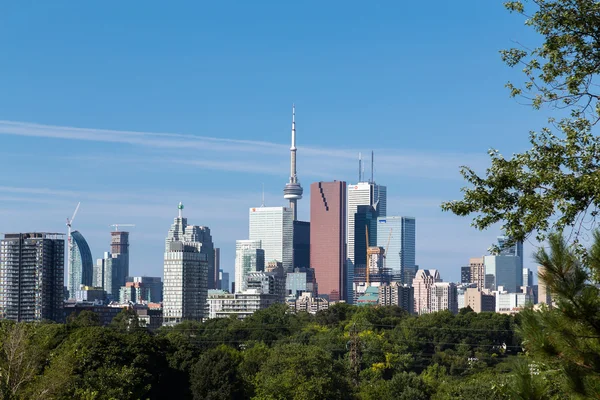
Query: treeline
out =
(345, 352)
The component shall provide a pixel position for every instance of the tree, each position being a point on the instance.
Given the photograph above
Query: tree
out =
(567, 338)
(18, 363)
(301, 372)
(555, 184)
(216, 377)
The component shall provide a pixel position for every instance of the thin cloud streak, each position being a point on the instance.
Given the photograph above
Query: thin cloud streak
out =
(334, 161)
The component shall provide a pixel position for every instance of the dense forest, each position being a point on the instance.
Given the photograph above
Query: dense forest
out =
(346, 352)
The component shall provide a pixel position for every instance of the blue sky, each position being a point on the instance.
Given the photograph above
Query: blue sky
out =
(131, 107)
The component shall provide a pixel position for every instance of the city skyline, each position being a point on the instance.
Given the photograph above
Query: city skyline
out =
(231, 135)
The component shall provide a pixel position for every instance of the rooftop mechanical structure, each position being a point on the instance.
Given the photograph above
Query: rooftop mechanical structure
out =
(293, 190)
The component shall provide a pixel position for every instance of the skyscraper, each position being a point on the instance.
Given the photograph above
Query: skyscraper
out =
(185, 286)
(112, 270)
(365, 222)
(119, 248)
(249, 257)
(328, 238)
(301, 244)
(398, 236)
(82, 264)
(181, 231)
(465, 275)
(218, 268)
(293, 189)
(363, 194)
(274, 227)
(515, 250)
(32, 276)
(527, 277)
(503, 271)
(224, 280)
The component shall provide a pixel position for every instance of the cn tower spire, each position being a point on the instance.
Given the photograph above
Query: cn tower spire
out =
(293, 190)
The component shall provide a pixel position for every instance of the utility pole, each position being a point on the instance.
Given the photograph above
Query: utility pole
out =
(355, 354)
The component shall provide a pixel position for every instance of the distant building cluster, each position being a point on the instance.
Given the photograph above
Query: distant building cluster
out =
(352, 250)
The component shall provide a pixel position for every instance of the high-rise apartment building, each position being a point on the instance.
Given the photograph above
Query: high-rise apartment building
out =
(397, 294)
(363, 194)
(328, 239)
(503, 271)
(112, 270)
(32, 276)
(134, 292)
(81, 269)
(119, 248)
(397, 235)
(422, 282)
(274, 227)
(185, 286)
(477, 271)
(249, 257)
(443, 296)
(108, 274)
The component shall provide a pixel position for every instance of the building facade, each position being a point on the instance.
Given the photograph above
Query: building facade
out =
(503, 271)
(479, 300)
(301, 244)
(477, 271)
(185, 283)
(527, 277)
(32, 276)
(81, 269)
(465, 275)
(308, 303)
(397, 294)
(397, 235)
(153, 283)
(328, 239)
(223, 280)
(422, 282)
(300, 281)
(241, 304)
(363, 194)
(274, 227)
(443, 296)
(249, 257)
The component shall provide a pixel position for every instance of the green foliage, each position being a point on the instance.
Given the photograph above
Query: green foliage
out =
(273, 355)
(567, 338)
(295, 371)
(555, 184)
(215, 376)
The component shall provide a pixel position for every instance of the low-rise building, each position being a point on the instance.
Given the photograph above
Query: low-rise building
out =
(91, 294)
(241, 304)
(511, 303)
(306, 302)
(479, 300)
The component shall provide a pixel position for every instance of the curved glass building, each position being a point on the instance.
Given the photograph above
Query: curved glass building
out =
(81, 268)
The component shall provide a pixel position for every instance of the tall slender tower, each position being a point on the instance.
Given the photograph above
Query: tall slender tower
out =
(293, 190)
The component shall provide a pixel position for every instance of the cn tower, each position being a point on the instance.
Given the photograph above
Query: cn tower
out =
(293, 190)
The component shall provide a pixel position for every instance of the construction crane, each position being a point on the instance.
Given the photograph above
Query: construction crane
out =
(116, 226)
(386, 249)
(70, 242)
